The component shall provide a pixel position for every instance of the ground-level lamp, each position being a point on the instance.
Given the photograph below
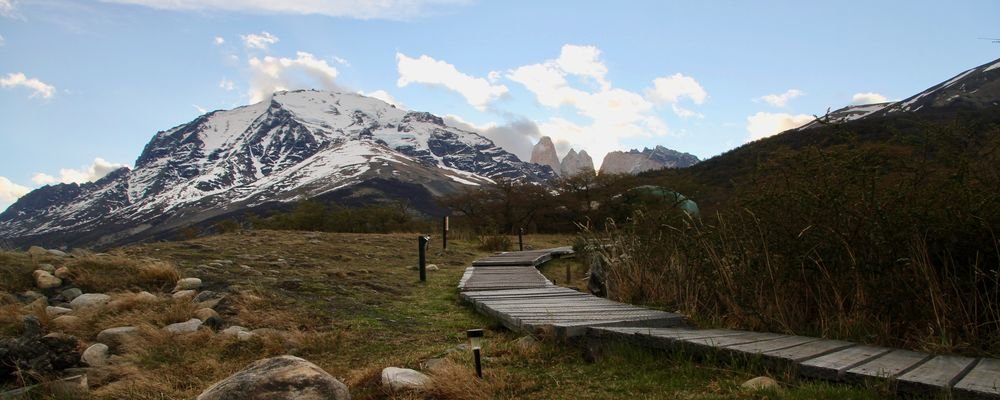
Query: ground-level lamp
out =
(476, 341)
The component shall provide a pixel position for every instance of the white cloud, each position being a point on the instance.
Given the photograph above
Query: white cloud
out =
(673, 88)
(226, 84)
(200, 109)
(272, 74)
(96, 170)
(685, 113)
(384, 96)
(341, 61)
(38, 87)
(478, 92)
(2, 40)
(763, 124)
(780, 100)
(10, 192)
(219, 40)
(360, 9)
(261, 41)
(7, 9)
(868, 98)
(614, 113)
(457, 121)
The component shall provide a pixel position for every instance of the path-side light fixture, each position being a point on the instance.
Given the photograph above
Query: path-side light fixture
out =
(476, 341)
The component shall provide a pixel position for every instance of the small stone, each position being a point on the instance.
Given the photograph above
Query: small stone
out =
(47, 268)
(90, 300)
(761, 383)
(233, 330)
(528, 343)
(204, 296)
(96, 355)
(57, 253)
(66, 322)
(73, 387)
(40, 302)
(71, 293)
(185, 295)
(188, 326)
(433, 364)
(29, 296)
(57, 311)
(118, 336)
(146, 297)
(37, 250)
(244, 336)
(278, 378)
(62, 273)
(188, 284)
(205, 313)
(432, 267)
(45, 280)
(404, 379)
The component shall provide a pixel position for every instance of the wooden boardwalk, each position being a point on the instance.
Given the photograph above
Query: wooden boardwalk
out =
(508, 287)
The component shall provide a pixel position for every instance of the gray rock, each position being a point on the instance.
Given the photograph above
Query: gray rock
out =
(96, 355)
(29, 296)
(146, 297)
(185, 295)
(47, 268)
(90, 300)
(45, 280)
(278, 378)
(118, 336)
(433, 364)
(40, 302)
(205, 296)
(404, 379)
(188, 284)
(71, 293)
(57, 253)
(205, 313)
(234, 330)
(188, 326)
(57, 311)
(62, 273)
(66, 322)
(761, 383)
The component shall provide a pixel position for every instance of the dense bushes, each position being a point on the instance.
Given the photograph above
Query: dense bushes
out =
(892, 243)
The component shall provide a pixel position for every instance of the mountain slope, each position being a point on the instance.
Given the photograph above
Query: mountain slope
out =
(296, 145)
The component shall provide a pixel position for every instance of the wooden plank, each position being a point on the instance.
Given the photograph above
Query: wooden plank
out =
(937, 374)
(730, 340)
(982, 382)
(833, 366)
(888, 365)
(770, 345)
(806, 351)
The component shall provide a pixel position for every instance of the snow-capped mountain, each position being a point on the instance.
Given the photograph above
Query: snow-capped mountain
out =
(298, 144)
(977, 88)
(635, 161)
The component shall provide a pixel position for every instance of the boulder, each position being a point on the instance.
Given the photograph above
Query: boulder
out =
(39, 303)
(118, 336)
(404, 379)
(37, 251)
(188, 326)
(185, 295)
(146, 297)
(761, 383)
(188, 284)
(205, 313)
(45, 280)
(66, 322)
(57, 253)
(47, 267)
(205, 296)
(71, 293)
(90, 300)
(96, 355)
(62, 273)
(278, 378)
(57, 311)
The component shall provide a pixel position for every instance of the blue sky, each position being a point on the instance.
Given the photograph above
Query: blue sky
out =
(85, 84)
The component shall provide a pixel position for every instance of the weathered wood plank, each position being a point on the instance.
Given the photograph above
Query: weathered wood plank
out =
(888, 365)
(833, 366)
(982, 382)
(770, 345)
(723, 341)
(936, 374)
(806, 351)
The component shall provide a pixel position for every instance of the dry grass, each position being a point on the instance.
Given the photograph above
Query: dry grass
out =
(104, 274)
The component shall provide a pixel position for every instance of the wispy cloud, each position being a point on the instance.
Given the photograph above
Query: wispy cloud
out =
(478, 92)
(227, 85)
(259, 41)
(764, 124)
(868, 98)
(96, 170)
(219, 40)
(780, 100)
(271, 74)
(358, 9)
(38, 88)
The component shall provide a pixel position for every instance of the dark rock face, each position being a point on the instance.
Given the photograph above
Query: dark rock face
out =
(298, 143)
(35, 353)
(278, 378)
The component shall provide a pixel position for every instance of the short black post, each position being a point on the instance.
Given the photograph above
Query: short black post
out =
(479, 363)
(520, 239)
(444, 235)
(422, 244)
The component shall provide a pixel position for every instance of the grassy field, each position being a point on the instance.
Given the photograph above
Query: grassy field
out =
(350, 304)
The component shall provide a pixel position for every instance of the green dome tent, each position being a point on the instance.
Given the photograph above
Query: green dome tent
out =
(649, 194)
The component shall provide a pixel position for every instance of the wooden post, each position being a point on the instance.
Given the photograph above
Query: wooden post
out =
(422, 251)
(444, 235)
(520, 239)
